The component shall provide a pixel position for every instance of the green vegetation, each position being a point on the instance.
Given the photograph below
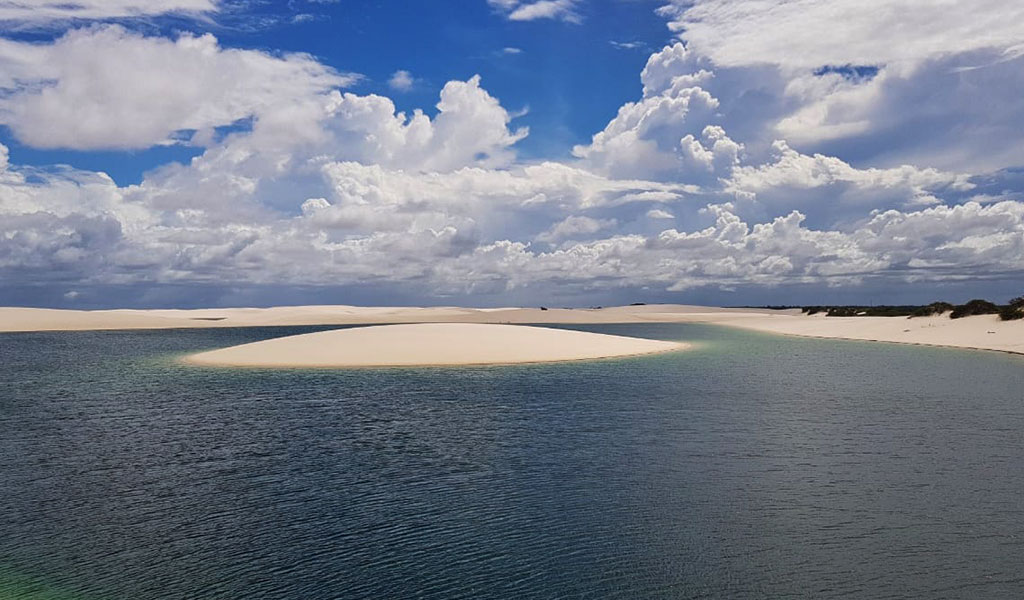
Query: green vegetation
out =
(974, 307)
(1013, 311)
(1009, 312)
(862, 311)
(935, 308)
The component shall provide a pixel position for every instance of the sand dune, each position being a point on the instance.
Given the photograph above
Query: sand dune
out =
(430, 344)
(983, 332)
(38, 319)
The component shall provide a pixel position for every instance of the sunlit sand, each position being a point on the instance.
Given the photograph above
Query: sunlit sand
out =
(430, 344)
(985, 332)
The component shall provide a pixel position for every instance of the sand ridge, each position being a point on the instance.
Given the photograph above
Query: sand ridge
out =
(41, 319)
(426, 344)
(980, 332)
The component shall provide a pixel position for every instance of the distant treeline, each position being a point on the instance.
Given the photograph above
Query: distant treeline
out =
(1008, 312)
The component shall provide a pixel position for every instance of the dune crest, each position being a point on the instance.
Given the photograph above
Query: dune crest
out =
(425, 344)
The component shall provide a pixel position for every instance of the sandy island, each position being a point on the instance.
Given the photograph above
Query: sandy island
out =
(981, 332)
(430, 344)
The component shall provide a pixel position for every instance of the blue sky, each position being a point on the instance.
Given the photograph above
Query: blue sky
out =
(568, 79)
(492, 152)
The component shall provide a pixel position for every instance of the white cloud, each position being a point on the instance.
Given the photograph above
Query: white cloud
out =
(401, 81)
(808, 34)
(878, 85)
(333, 188)
(35, 11)
(929, 114)
(781, 251)
(471, 128)
(495, 203)
(667, 135)
(575, 227)
(469, 231)
(518, 10)
(792, 169)
(832, 193)
(109, 88)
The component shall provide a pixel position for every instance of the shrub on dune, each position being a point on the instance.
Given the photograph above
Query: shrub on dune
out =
(974, 307)
(935, 308)
(1013, 311)
(843, 311)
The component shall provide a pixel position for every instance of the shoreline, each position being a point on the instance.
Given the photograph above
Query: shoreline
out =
(1008, 335)
(431, 344)
(683, 346)
(18, 319)
(875, 341)
(985, 332)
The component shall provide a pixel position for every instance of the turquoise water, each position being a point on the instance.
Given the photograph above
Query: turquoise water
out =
(753, 466)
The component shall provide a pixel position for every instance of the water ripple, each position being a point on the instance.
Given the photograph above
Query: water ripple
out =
(752, 467)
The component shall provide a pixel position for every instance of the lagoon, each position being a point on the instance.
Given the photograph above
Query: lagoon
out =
(749, 466)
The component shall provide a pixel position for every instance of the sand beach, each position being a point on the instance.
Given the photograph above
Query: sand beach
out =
(985, 332)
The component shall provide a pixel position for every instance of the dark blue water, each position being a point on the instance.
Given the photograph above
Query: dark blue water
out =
(753, 466)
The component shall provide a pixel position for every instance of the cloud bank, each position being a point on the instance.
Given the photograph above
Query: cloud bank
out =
(726, 172)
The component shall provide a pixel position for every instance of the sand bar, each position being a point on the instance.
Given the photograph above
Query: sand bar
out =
(981, 332)
(430, 344)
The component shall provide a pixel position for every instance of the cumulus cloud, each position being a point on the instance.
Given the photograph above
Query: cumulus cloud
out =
(927, 114)
(281, 161)
(575, 227)
(806, 34)
(793, 169)
(108, 88)
(669, 134)
(876, 86)
(493, 203)
(832, 192)
(518, 10)
(401, 81)
(471, 128)
(470, 231)
(731, 252)
(716, 175)
(646, 138)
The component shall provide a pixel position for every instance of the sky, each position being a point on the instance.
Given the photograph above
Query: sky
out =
(186, 153)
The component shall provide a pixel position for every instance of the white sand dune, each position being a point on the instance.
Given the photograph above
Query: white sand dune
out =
(430, 344)
(40, 319)
(982, 332)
